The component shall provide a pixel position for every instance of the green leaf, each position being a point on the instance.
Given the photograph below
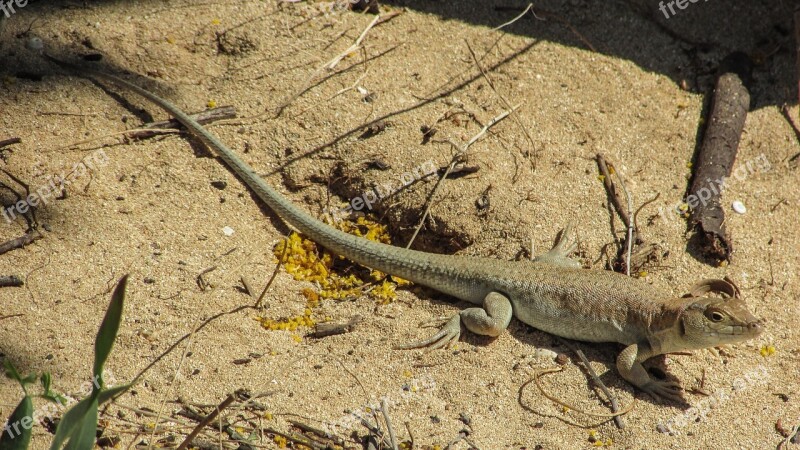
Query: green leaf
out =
(107, 394)
(17, 436)
(31, 378)
(46, 380)
(108, 329)
(11, 371)
(70, 422)
(84, 436)
(55, 398)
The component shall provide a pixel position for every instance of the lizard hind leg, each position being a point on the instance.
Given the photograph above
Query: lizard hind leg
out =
(490, 320)
(559, 254)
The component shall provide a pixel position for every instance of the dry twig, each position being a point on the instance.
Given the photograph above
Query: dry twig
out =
(457, 157)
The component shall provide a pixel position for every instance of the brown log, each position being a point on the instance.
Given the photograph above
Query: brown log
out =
(714, 162)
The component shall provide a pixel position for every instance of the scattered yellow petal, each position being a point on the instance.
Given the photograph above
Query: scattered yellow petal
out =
(602, 178)
(688, 164)
(215, 22)
(407, 373)
(268, 416)
(170, 39)
(643, 274)
(768, 350)
(212, 104)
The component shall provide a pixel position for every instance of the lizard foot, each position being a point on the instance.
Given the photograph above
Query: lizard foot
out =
(669, 390)
(559, 254)
(448, 334)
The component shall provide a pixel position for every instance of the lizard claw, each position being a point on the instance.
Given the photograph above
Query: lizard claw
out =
(669, 390)
(448, 334)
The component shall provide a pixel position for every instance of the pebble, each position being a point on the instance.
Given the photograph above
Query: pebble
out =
(227, 231)
(34, 43)
(739, 207)
(545, 353)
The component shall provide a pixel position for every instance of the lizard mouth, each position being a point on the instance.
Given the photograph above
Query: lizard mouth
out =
(737, 332)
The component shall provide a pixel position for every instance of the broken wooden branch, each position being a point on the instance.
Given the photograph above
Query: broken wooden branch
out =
(714, 161)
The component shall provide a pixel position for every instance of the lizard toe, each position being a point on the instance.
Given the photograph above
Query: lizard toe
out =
(668, 390)
(448, 334)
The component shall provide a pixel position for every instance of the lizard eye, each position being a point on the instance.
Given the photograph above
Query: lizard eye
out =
(715, 316)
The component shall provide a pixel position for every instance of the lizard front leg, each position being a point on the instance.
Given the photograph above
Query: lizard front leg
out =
(490, 320)
(629, 365)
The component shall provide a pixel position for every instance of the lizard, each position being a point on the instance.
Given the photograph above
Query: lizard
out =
(552, 292)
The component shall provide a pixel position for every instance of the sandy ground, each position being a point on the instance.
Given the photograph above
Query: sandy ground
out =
(617, 79)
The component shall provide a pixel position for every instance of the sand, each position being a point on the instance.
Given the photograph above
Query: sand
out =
(590, 78)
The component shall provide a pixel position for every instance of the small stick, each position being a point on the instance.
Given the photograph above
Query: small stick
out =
(459, 155)
(10, 141)
(624, 214)
(410, 434)
(330, 65)
(785, 443)
(201, 281)
(389, 16)
(385, 412)
(597, 380)
(530, 6)
(611, 189)
(10, 281)
(163, 127)
(503, 99)
(297, 439)
(321, 433)
(246, 285)
(10, 316)
(208, 419)
(22, 241)
(331, 329)
(202, 117)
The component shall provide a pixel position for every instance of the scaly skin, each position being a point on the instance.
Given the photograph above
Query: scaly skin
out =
(551, 293)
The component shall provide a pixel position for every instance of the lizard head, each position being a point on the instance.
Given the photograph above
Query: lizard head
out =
(713, 321)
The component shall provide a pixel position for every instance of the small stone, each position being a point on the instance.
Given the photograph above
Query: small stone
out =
(227, 231)
(545, 353)
(34, 43)
(739, 207)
